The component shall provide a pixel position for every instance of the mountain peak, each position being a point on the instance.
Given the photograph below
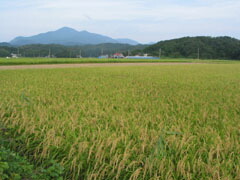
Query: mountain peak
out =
(68, 36)
(67, 29)
(127, 41)
(84, 31)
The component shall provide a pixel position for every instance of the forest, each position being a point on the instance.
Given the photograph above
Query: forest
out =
(60, 51)
(197, 47)
(201, 47)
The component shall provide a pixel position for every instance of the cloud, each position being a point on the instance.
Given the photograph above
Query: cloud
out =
(122, 18)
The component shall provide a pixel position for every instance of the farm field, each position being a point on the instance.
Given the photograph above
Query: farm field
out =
(26, 61)
(146, 122)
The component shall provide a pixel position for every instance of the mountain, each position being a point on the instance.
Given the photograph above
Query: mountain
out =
(127, 41)
(5, 44)
(151, 43)
(65, 36)
(187, 47)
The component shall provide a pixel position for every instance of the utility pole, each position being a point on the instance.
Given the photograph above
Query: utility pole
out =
(80, 53)
(102, 52)
(128, 52)
(160, 53)
(49, 53)
(198, 55)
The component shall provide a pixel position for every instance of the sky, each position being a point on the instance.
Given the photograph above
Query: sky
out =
(142, 20)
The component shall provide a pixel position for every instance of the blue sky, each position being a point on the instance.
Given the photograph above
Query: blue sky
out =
(141, 20)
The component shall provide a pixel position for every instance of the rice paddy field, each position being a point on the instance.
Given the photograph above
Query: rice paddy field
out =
(145, 122)
(26, 61)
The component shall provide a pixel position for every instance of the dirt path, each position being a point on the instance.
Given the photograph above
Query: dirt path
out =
(51, 66)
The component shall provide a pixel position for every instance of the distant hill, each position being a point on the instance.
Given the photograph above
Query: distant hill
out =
(42, 50)
(68, 37)
(127, 41)
(187, 47)
(5, 44)
(151, 43)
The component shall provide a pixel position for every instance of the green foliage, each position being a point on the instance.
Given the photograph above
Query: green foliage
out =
(4, 52)
(12, 166)
(187, 47)
(53, 170)
(16, 167)
(60, 51)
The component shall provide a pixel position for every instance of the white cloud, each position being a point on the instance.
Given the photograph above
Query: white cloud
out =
(122, 18)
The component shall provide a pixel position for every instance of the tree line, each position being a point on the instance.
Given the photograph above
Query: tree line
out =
(187, 47)
(60, 51)
(196, 47)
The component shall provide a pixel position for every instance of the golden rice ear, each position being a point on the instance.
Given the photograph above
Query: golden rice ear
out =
(150, 122)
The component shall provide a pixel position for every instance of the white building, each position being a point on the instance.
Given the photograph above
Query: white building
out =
(15, 55)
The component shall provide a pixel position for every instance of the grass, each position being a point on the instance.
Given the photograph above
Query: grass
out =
(26, 61)
(154, 122)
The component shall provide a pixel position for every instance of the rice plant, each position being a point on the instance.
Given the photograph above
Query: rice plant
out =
(154, 122)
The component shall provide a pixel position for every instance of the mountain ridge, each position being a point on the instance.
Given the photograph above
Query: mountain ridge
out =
(68, 37)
